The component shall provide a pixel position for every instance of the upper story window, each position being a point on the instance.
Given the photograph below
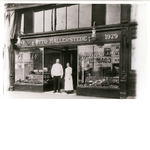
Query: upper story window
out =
(113, 12)
(85, 15)
(48, 20)
(71, 17)
(61, 18)
(38, 21)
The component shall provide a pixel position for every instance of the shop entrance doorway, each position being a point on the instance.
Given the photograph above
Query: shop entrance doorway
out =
(65, 56)
(50, 56)
(71, 58)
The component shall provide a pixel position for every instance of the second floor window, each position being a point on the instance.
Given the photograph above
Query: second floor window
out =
(38, 21)
(71, 17)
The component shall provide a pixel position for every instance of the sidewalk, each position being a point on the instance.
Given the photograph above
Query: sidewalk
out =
(48, 95)
(44, 95)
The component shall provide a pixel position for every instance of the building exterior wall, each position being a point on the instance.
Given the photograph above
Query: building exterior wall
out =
(105, 23)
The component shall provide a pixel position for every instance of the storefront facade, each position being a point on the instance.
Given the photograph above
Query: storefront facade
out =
(99, 53)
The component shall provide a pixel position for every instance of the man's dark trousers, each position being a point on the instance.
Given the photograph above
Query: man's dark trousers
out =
(56, 83)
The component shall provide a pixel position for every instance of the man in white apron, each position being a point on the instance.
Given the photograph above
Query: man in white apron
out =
(57, 73)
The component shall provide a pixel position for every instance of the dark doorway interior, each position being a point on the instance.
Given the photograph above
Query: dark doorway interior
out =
(50, 56)
(71, 57)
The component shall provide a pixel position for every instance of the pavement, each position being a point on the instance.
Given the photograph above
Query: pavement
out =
(47, 95)
(44, 95)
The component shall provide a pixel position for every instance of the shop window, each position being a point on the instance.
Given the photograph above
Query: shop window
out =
(61, 18)
(29, 67)
(98, 14)
(113, 13)
(72, 17)
(98, 66)
(85, 15)
(38, 21)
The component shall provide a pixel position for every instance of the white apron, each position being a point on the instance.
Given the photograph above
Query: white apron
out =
(68, 79)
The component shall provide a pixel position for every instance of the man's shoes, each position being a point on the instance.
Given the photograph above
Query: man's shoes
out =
(59, 91)
(54, 92)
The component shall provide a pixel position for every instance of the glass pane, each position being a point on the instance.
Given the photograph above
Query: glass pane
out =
(61, 18)
(72, 17)
(98, 66)
(113, 13)
(29, 67)
(85, 15)
(22, 24)
(48, 20)
(85, 62)
(38, 21)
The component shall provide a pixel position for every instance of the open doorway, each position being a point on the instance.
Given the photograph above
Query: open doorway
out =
(50, 56)
(71, 58)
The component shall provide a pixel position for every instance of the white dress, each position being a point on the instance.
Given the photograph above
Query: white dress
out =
(68, 79)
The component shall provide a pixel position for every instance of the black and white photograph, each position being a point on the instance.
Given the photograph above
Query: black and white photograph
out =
(84, 50)
(75, 75)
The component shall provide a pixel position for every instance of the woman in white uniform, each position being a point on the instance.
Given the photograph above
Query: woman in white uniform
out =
(68, 79)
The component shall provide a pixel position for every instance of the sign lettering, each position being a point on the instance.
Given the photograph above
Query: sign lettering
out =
(71, 39)
(111, 36)
(60, 40)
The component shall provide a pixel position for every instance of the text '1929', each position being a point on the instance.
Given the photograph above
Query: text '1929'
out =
(111, 36)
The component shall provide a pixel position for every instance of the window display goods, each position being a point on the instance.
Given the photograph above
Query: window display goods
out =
(98, 66)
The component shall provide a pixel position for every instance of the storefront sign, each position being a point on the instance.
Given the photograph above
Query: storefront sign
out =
(111, 36)
(72, 39)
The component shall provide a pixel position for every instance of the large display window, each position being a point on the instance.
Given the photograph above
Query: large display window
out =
(29, 66)
(98, 66)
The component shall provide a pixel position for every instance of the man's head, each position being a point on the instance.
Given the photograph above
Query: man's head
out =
(57, 60)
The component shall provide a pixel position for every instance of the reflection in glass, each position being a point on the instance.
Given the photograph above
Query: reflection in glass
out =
(28, 67)
(98, 66)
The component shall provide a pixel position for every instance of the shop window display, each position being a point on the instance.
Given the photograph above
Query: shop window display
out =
(29, 67)
(98, 66)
